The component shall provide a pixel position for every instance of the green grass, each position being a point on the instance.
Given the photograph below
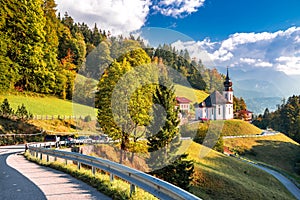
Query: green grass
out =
(221, 177)
(277, 150)
(232, 127)
(190, 93)
(239, 127)
(47, 105)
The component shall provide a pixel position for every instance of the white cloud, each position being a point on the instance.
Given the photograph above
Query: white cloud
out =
(118, 16)
(280, 50)
(177, 8)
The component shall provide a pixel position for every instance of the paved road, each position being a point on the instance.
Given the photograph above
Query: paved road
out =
(21, 179)
(290, 186)
(285, 181)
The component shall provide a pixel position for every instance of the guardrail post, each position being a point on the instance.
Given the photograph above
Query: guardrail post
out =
(47, 158)
(78, 165)
(93, 170)
(66, 161)
(55, 158)
(111, 177)
(41, 156)
(132, 189)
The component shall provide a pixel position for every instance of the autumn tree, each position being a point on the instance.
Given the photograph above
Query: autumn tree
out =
(122, 100)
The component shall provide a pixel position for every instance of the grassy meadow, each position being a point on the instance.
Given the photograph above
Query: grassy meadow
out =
(277, 150)
(47, 105)
(239, 127)
(190, 93)
(221, 177)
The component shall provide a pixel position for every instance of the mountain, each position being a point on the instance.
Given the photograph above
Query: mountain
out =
(262, 87)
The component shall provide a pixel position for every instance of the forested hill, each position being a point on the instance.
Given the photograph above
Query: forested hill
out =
(42, 52)
(285, 119)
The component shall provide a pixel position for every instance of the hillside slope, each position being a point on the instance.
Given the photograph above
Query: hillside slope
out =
(239, 127)
(221, 177)
(47, 105)
(276, 150)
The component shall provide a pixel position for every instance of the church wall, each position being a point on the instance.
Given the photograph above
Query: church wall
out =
(219, 112)
(228, 111)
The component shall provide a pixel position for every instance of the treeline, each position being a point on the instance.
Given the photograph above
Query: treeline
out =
(42, 52)
(285, 119)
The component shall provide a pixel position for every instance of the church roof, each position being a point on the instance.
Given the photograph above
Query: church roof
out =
(212, 99)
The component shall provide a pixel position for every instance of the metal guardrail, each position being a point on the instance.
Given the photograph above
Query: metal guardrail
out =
(157, 187)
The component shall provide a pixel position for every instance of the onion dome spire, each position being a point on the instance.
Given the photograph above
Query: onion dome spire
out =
(227, 82)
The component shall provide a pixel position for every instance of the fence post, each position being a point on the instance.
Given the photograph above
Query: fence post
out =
(66, 161)
(93, 170)
(111, 177)
(132, 189)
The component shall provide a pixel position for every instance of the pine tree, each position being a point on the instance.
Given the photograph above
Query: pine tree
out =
(163, 145)
(164, 97)
(5, 109)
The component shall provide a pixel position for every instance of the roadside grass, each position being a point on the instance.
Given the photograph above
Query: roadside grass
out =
(278, 151)
(216, 177)
(117, 189)
(221, 177)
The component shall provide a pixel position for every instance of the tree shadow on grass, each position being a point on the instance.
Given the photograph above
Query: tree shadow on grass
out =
(280, 154)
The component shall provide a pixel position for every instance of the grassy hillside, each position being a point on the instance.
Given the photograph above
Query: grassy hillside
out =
(239, 127)
(39, 105)
(221, 177)
(48, 105)
(226, 128)
(190, 93)
(276, 150)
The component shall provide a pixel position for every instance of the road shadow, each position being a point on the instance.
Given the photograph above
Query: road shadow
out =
(14, 185)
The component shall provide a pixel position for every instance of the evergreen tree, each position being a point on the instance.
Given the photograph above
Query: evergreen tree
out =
(22, 113)
(164, 97)
(5, 109)
(163, 145)
(179, 173)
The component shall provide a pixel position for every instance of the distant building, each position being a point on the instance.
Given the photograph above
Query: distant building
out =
(183, 104)
(217, 106)
(245, 115)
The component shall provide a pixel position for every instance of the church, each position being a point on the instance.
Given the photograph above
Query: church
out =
(217, 106)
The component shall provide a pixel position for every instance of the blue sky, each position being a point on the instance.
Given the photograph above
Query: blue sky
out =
(217, 19)
(235, 33)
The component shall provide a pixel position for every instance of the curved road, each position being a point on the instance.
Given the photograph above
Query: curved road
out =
(290, 186)
(285, 181)
(21, 179)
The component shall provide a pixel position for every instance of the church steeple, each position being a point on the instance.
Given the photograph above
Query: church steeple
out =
(227, 83)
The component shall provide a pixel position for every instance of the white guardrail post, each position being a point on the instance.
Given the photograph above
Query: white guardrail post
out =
(157, 187)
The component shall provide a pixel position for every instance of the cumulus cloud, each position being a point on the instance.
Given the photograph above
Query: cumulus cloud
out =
(177, 8)
(279, 50)
(118, 16)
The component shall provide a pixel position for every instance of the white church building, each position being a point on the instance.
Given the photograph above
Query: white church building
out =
(217, 106)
